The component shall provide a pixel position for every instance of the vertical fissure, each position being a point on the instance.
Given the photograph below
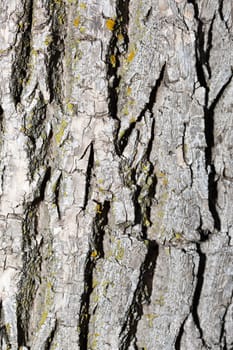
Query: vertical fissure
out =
(32, 260)
(95, 252)
(180, 335)
(202, 64)
(122, 142)
(19, 69)
(142, 295)
(115, 49)
(51, 337)
(56, 51)
(198, 290)
(88, 175)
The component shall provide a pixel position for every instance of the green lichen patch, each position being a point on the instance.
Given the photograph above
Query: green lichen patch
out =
(59, 135)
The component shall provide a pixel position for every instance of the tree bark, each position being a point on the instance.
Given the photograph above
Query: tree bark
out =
(116, 174)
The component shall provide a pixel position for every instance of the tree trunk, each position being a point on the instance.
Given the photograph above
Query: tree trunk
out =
(116, 174)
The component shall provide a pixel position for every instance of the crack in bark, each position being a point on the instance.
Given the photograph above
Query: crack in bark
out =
(221, 15)
(49, 342)
(222, 337)
(142, 295)
(198, 290)
(95, 252)
(56, 193)
(88, 174)
(122, 142)
(3, 330)
(33, 129)
(209, 134)
(32, 260)
(114, 50)
(180, 335)
(56, 51)
(19, 69)
(202, 60)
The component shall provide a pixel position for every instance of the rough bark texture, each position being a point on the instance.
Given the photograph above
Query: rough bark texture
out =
(116, 174)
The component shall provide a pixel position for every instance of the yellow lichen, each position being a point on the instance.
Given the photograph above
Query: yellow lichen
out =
(167, 251)
(122, 133)
(76, 21)
(125, 110)
(94, 253)
(113, 60)
(132, 120)
(43, 318)
(98, 208)
(150, 319)
(8, 328)
(119, 254)
(95, 298)
(83, 6)
(70, 107)
(110, 24)
(60, 133)
(146, 223)
(82, 30)
(131, 56)
(160, 300)
(48, 40)
(178, 235)
(94, 283)
(120, 37)
(60, 19)
(128, 91)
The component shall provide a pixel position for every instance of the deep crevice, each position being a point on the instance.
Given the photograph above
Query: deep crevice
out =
(32, 260)
(122, 142)
(88, 175)
(95, 252)
(40, 197)
(198, 290)
(222, 338)
(137, 206)
(202, 60)
(56, 50)
(56, 194)
(3, 330)
(142, 295)
(221, 15)
(19, 69)
(180, 335)
(49, 341)
(209, 135)
(115, 50)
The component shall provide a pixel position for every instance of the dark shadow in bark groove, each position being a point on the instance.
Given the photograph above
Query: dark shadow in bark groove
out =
(222, 338)
(122, 142)
(32, 260)
(180, 335)
(57, 50)
(209, 134)
(3, 330)
(95, 252)
(19, 69)
(50, 339)
(142, 295)
(115, 49)
(202, 59)
(198, 290)
(88, 175)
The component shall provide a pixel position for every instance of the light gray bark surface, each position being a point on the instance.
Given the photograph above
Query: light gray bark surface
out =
(116, 174)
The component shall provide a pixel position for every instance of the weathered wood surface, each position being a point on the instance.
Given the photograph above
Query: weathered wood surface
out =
(116, 174)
